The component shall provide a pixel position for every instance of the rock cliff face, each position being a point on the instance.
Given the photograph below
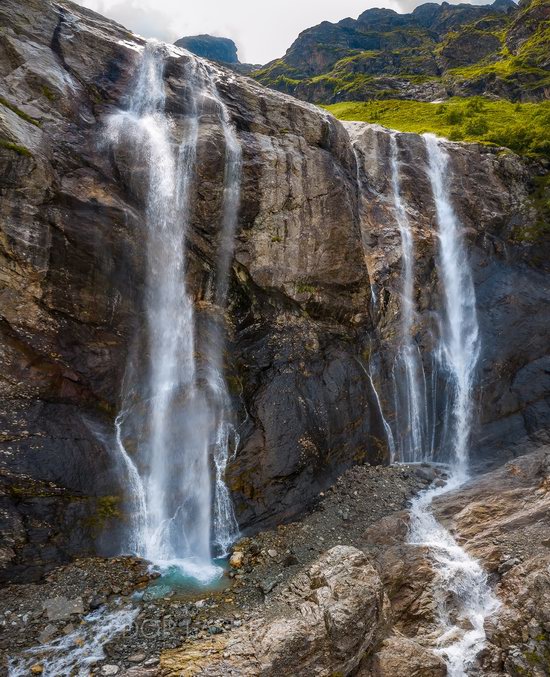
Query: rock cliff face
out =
(491, 193)
(311, 241)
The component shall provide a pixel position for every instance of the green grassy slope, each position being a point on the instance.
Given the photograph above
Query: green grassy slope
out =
(522, 127)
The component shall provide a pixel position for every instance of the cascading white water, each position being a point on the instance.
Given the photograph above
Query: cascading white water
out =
(77, 652)
(225, 525)
(412, 421)
(173, 418)
(459, 327)
(464, 599)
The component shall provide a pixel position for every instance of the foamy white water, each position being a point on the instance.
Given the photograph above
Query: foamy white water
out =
(464, 599)
(178, 420)
(75, 653)
(412, 421)
(459, 327)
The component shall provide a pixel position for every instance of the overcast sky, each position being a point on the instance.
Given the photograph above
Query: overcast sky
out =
(262, 30)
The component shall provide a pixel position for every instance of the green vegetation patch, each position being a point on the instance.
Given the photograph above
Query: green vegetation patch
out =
(19, 112)
(15, 147)
(523, 128)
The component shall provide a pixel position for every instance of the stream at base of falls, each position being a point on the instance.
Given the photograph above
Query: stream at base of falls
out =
(77, 652)
(460, 588)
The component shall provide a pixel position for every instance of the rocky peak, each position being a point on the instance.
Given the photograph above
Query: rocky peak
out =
(210, 47)
(382, 19)
(504, 5)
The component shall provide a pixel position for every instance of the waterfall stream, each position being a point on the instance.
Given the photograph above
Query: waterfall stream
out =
(463, 597)
(77, 652)
(176, 411)
(412, 422)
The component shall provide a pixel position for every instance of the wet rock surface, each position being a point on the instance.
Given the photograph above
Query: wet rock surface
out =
(338, 591)
(277, 568)
(303, 328)
(504, 519)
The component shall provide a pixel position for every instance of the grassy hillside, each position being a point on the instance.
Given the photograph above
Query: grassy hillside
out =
(522, 127)
(435, 52)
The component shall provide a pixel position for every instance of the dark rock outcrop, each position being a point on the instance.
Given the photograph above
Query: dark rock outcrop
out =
(300, 322)
(210, 47)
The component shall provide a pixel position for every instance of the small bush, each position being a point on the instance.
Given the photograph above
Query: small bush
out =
(454, 116)
(474, 105)
(456, 135)
(477, 126)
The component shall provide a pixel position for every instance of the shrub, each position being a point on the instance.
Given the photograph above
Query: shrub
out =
(477, 126)
(474, 105)
(454, 117)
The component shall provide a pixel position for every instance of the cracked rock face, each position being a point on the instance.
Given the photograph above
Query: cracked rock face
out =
(324, 621)
(311, 242)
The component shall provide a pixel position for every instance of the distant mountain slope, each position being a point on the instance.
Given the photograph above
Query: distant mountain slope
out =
(438, 50)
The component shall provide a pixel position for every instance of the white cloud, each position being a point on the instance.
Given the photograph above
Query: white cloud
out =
(262, 31)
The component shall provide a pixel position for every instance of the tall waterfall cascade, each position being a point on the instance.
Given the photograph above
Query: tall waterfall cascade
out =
(176, 411)
(464, 599)
(412, 423)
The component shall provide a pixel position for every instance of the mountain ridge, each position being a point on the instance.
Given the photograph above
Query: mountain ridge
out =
(436, 51)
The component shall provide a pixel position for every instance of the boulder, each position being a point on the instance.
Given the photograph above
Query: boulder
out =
(328, 617)
(402, 656)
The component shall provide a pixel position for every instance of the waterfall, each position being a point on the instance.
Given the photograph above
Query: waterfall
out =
(77, 652)
(178, 424)
(464, 599)
(459, 328)
(412, 423)
(225, 524)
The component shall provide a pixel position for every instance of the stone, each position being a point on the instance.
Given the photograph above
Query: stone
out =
(61, 608)
(47, 633)
(272, 553)
(268, 584)
(402, 656)
(330, 615)
(137, 658)
(37, 669)
(109, 669)
(237, 559)
(507, 565)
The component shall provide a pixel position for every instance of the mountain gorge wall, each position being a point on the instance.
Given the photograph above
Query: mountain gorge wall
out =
(316, 243)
